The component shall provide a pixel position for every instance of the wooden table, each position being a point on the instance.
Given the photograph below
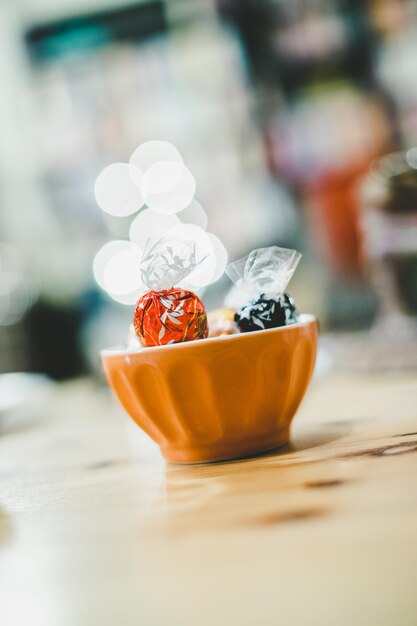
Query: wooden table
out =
(96, 530)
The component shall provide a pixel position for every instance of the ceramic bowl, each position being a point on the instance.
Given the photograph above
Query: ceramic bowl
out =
(219, 398)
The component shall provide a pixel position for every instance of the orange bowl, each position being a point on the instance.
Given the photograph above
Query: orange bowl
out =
(218, 398)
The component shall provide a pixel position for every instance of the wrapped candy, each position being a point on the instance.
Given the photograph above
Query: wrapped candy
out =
(221, 322)
(261, 278)
(267, 313)
(167, 314)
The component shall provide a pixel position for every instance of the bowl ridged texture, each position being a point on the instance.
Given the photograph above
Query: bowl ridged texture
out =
(217, 398)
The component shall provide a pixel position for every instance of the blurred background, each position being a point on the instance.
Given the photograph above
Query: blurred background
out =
(282, 110)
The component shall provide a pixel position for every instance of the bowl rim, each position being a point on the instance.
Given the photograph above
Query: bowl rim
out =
(305, 320)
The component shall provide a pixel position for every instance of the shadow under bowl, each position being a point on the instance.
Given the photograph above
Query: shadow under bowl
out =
(219, 398)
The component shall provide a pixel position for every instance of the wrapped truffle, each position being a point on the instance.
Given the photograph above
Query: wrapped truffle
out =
(261, 279)
(221, 322)
(167, 314)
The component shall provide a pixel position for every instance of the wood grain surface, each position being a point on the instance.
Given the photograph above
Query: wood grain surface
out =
(96, 530)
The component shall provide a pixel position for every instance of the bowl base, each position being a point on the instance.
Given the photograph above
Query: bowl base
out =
(221, 453)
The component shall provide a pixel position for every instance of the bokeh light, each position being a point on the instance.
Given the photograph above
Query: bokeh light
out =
(121, 273)
(160, 166)
(194, 214)
(116, 193)
(221, 257)
(155, 175)
(161, 177)
(175, 199)
(129, 299)
(411, 157)
(116, 268)
(150, 225)
(151, 153)
(213, 265)
(206, 246)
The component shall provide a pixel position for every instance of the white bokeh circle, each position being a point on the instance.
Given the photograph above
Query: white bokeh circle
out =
(212, 267)
(115, 191)
(204, 251)
(149, 225)
(161, 177)
(121, 274)
(155, 175)
(175, 199)
(128, 299)
(194, 214)
(221, 256)
(116, 267)
(152, 152)
(411, 157)
(103, 256)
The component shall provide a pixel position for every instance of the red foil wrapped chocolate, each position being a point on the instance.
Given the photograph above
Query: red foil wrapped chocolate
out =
(169, 316)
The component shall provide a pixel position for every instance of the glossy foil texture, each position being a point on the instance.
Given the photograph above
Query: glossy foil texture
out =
(169, 316)
(265, 313)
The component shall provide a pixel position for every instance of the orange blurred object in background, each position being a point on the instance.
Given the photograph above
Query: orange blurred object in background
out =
(333, 209)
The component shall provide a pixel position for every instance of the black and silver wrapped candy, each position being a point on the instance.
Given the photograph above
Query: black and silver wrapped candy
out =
(261, 279)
